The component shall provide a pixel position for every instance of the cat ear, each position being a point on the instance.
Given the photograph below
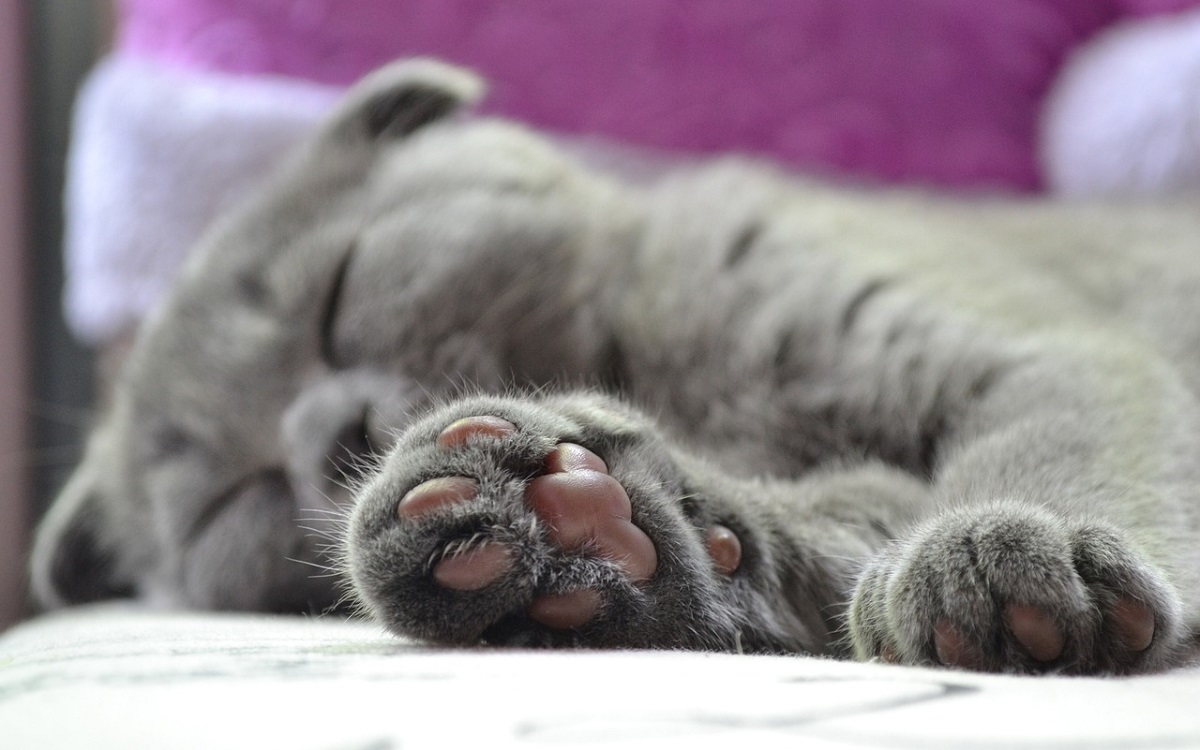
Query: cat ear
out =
(402, 97)
(71, 563)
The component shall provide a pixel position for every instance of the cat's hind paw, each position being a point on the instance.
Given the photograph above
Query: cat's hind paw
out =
(579, 504)
(500, 526)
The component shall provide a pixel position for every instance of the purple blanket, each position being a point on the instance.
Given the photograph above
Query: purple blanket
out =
(942, 92)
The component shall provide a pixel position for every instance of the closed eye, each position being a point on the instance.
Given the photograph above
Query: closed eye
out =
(268, 485)
(329, 315)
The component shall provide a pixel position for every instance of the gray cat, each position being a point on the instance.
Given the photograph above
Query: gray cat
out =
(505, 399)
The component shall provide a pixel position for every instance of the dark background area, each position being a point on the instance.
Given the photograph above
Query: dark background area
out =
(64, 39)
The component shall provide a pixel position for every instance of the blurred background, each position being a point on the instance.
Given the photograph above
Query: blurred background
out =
(46, 48)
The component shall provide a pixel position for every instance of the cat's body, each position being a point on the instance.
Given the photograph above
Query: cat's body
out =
(992, 406)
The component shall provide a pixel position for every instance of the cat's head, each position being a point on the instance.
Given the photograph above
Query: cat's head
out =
(383, 267)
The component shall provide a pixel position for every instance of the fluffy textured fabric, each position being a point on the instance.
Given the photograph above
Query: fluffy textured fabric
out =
(109, 678)
(1124, 119)
(156, 155)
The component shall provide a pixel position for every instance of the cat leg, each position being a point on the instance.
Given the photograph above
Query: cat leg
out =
(1045, 556)
(1018, 589)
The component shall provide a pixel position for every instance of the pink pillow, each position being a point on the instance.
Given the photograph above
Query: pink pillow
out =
(942, 92)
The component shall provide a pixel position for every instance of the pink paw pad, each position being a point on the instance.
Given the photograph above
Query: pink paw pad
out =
(462, 431)
(1134, 621)
(955, 648)
(725, 549)
(573, 609)
(585, 508)
(436, 494)
(473, 569)
(469, 569)
(1036, 631)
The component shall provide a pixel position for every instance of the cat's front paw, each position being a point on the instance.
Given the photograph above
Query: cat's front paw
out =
(537, 522)
(1012, 588)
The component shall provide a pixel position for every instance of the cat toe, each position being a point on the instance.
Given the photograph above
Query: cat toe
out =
(436, 494)
(571, 457)
(1032, 627)
(462, 431)
(567, 611)
(1140, 624)
(724, 547)
(1134, 623)
(1036, 631)
(473, 569)
(954, 647)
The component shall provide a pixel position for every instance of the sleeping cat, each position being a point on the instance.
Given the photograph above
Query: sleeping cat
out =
(502, 398)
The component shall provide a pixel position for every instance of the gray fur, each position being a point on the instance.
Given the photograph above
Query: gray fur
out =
(910, 410)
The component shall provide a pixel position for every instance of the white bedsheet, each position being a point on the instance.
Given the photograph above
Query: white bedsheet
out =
(123, 678)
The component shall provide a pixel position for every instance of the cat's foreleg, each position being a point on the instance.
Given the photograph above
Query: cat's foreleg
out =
(1042, 554)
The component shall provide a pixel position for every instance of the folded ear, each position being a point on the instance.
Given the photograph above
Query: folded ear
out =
(72, 561)
(402, 97)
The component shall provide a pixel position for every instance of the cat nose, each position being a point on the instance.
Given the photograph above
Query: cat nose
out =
(328, 440)
(337, 424)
